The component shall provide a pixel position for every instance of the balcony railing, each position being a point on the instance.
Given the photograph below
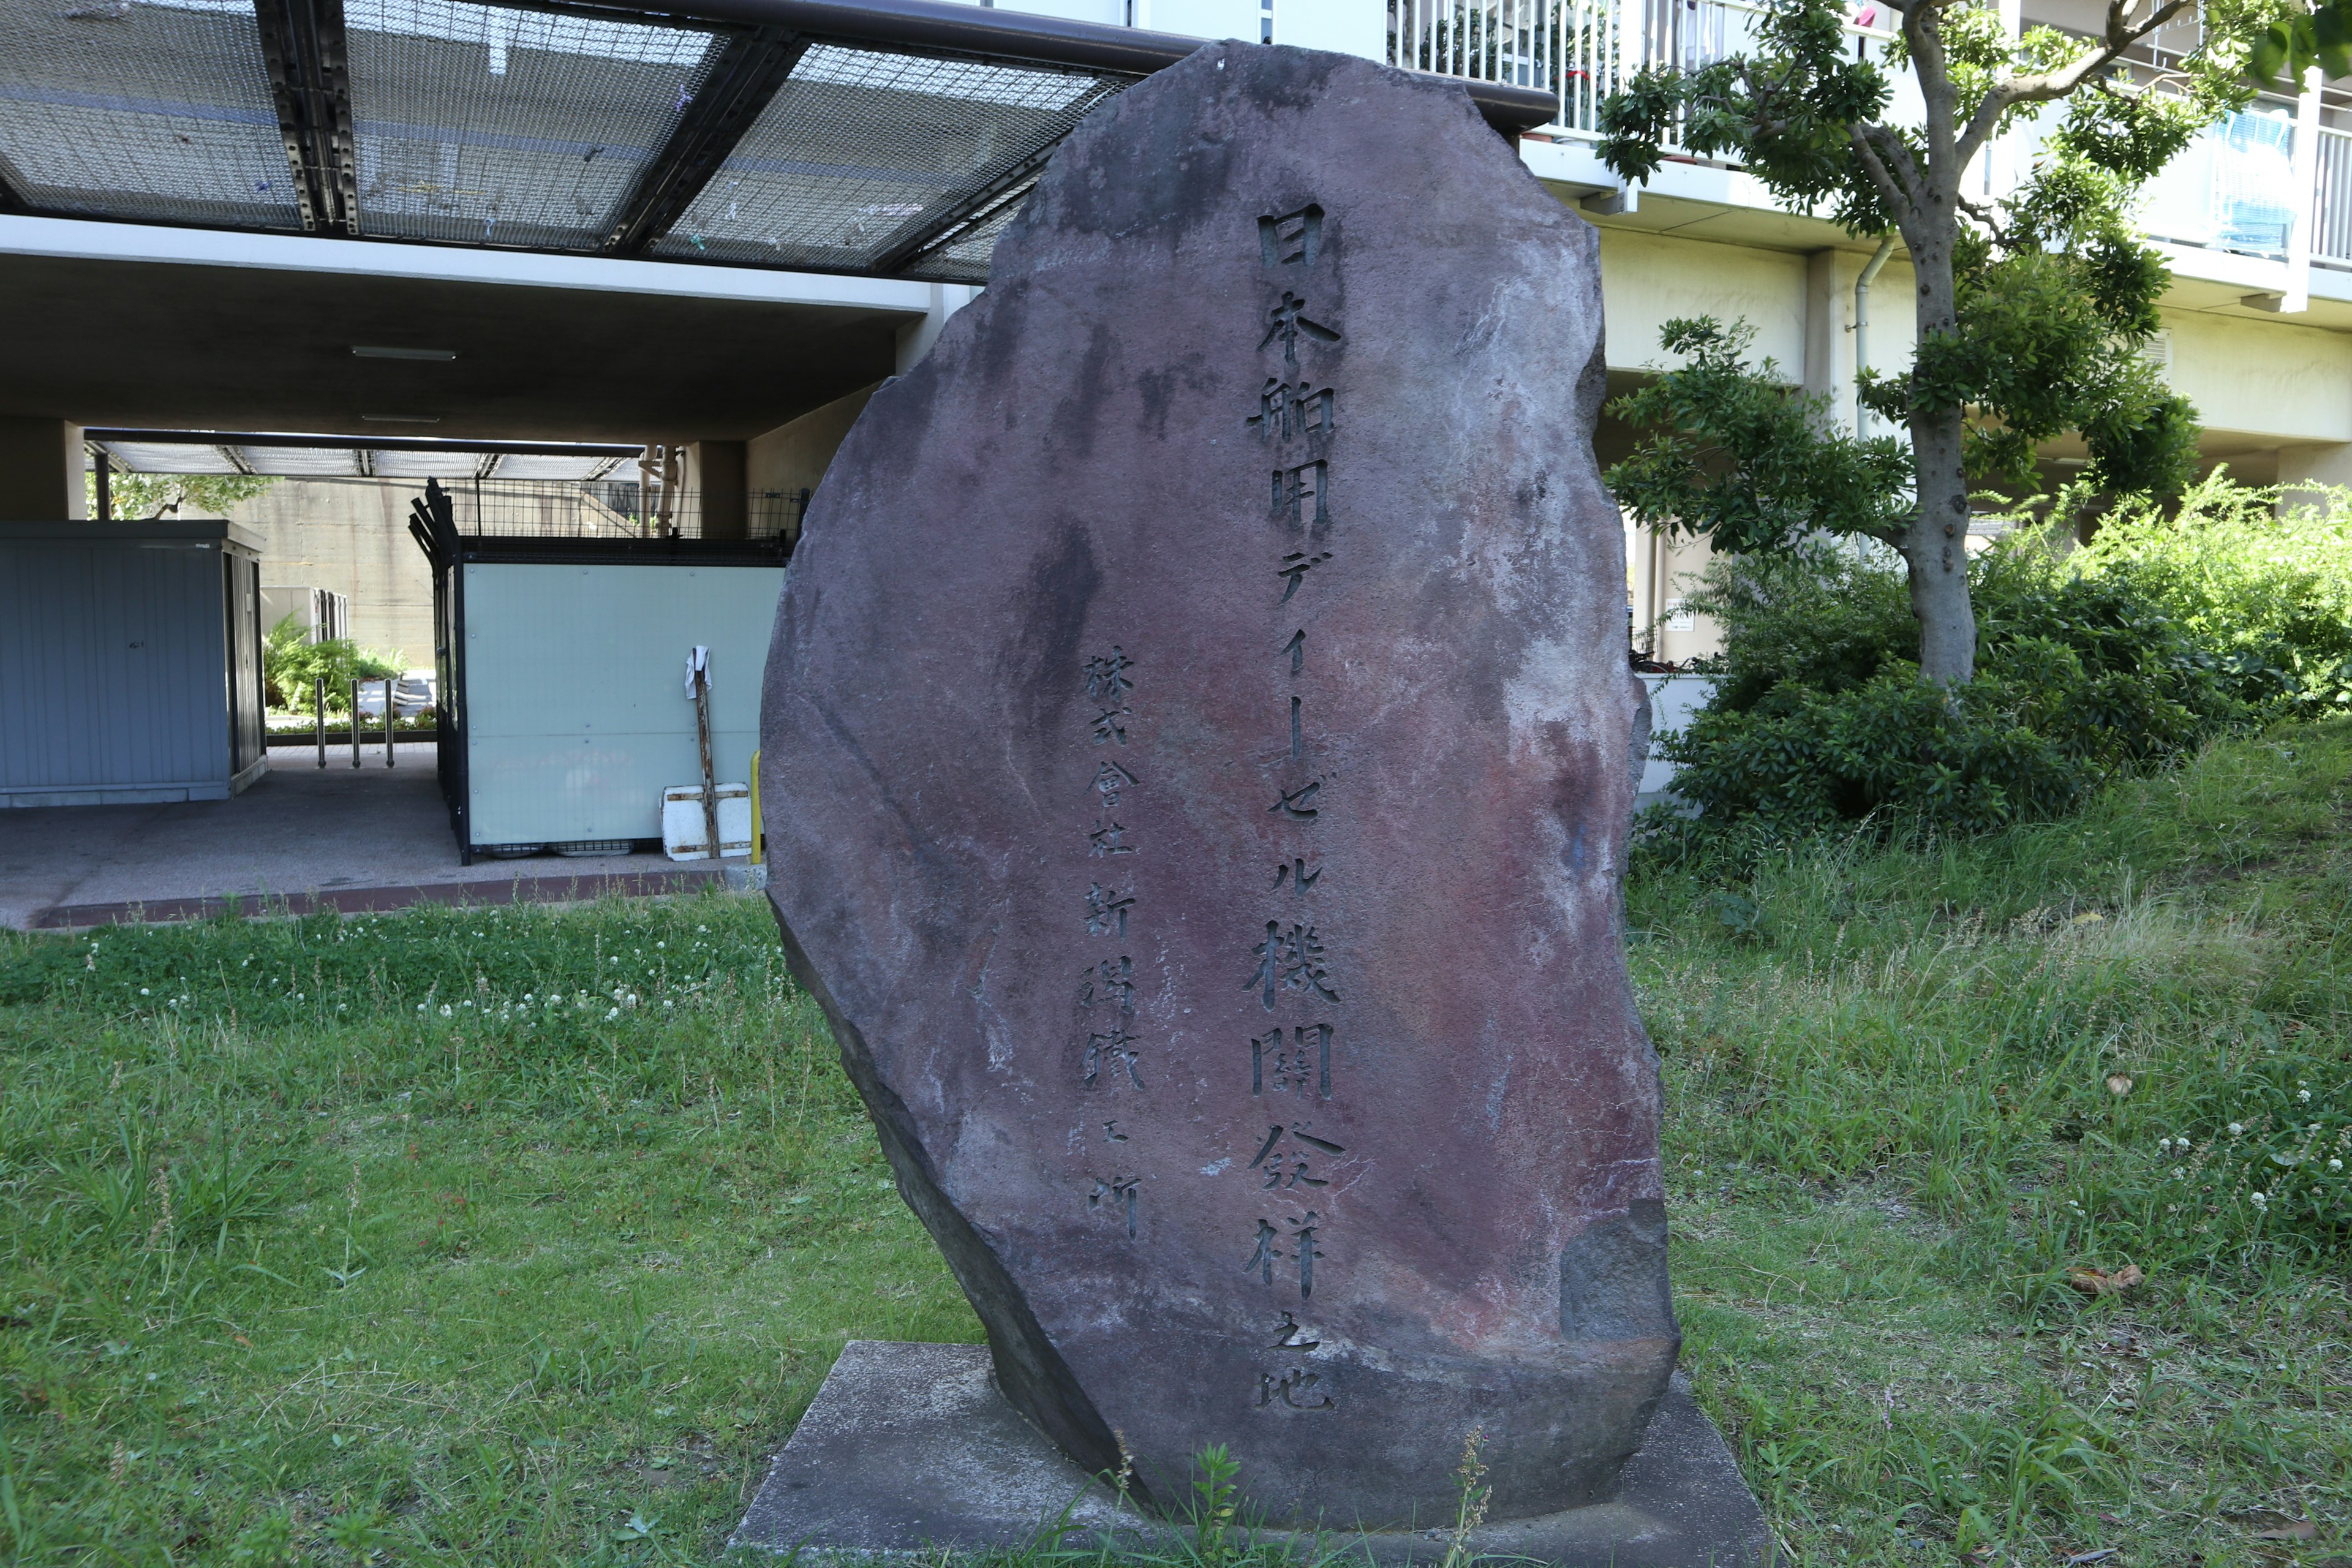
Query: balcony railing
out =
(2232, 189)
(2242, 187)
(1580, 50)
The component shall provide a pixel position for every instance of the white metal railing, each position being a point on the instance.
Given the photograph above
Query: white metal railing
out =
(2331, 215)
(1580, 50)
(2272, 182)
(2233, 187)
(1571, 47)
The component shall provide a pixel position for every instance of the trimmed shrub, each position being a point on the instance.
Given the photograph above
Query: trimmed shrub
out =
(2171, 626)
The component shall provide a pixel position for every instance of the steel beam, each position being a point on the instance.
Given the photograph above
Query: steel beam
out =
(310, 80)
(360, 442)
(746, 75)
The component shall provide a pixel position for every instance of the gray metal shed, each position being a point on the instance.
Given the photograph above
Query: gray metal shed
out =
(130, 662)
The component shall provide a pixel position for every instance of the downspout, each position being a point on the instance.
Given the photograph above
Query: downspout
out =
(1861, 328)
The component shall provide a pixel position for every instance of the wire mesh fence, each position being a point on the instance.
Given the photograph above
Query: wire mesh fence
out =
(614, 508)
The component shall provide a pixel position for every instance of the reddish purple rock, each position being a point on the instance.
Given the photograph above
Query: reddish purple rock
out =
(1198, 768)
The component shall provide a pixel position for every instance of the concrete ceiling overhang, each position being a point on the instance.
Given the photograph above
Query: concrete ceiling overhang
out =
(222, 331)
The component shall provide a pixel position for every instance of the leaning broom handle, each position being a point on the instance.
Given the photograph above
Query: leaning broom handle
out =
(710, 779)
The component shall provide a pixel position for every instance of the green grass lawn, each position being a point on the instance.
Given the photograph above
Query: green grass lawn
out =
(523, 1236)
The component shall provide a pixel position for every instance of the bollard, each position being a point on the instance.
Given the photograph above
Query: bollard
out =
(389, 760)
(355, 720)
(320, 694)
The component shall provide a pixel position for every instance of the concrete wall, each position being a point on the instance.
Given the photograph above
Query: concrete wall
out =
(351, 537)
(2268, 378)
(41, 471)
(714, 472)
(1801, 306)
(793, 458)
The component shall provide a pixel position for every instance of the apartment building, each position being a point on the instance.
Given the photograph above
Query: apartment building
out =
(719, 225)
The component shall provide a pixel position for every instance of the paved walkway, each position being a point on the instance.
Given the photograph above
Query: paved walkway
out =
(344, 837)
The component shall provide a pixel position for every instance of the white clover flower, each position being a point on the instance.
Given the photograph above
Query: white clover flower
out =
(2178, 1174)
(668, 1005)
(613, 1014)
(526, 996)
(2165, 1144)
(445, 1009)
(702, 928)
(2335, 1165)
(632, 999)
(2304, 1095)
(2261, 1200)
(2236, 1129)
(420, 1006)
(143, 991)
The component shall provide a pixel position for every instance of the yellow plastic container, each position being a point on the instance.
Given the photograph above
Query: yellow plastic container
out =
(759, 838)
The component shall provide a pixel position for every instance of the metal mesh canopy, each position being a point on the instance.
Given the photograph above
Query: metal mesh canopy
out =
(550, 466)
(890, 138)
(861, 151)
(503, 126)
(967, 252)
(157, 457)
(126, 109)
(301, 462)
(425, 465)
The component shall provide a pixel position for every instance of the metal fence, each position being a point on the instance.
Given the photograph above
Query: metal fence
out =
(1583, 50)
(608, 509)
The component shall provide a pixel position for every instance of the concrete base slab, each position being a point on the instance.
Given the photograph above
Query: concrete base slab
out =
(911, 1448)
(302, 839)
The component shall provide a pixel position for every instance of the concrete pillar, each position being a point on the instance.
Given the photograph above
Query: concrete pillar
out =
(1829, 331)
(715, 470)
(41, 471)
(916, 338)
(2304, 471)
(794, 457)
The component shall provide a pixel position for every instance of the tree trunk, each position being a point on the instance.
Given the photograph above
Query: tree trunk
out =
(1936, 548)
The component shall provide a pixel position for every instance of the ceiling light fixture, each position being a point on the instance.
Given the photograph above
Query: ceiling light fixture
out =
(401, 418)
(361, 351)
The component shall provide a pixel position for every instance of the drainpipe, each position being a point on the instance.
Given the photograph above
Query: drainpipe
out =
(1861, 328)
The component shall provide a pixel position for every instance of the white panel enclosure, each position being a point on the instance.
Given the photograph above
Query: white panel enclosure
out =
(577, 716)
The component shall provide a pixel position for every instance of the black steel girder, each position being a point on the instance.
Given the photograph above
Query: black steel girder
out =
(302, 46)
(746, 75)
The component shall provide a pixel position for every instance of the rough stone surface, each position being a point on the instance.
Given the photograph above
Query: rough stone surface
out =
(909, 1447)
(1198, 768)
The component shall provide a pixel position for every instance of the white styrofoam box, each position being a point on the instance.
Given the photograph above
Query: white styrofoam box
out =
(576, 716)
(1672, 699)
(683, 836)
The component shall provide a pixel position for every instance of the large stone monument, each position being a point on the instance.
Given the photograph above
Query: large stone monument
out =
(1198, 765)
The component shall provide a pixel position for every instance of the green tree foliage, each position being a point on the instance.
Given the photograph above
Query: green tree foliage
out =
(291, 665)
(2163, 633)
(2296, 41)
(2267, 585)
(146, 496)
(1732, 453)
(2030, 311)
